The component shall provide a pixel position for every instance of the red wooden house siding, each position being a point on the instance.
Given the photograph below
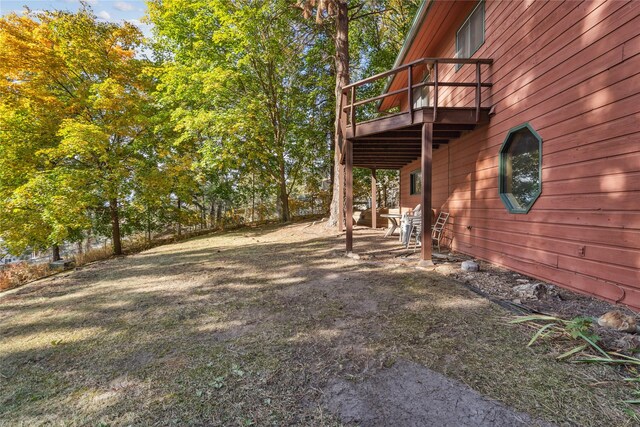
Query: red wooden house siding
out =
(572, 71)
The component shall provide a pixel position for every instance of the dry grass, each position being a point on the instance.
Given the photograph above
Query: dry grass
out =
(19, 274)
(97, 254)
(14, 275)
(248, 328)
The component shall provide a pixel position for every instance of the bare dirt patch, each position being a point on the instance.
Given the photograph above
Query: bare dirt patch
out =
(254, 327)
(409, 394)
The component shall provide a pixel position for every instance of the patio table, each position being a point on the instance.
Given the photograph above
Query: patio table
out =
(393, 219)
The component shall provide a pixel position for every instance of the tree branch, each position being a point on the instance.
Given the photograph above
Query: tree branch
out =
(355, 16)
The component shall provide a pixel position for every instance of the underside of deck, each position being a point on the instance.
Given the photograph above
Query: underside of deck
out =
(394, 141)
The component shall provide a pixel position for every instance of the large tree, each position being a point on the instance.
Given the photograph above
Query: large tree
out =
(381, 25)
(238, 81)
(82, 97)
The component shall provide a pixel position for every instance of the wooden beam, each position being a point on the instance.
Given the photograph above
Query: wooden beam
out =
(374, 200)
(400, 190)
(457, 117)
(378, 164)
(414, 133)
(341, 192)
(449, 115)
(385, 124)
(427, 157)
(359, 149)
(445, 133)
(378, 167)
(456, 127)
(382, 159)
(349, 185)
(360, 162)
(388, 146)
(390, 138)
(375, 165)
(386, 155)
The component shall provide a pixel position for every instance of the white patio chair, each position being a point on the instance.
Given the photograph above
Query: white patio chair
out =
(437, 230)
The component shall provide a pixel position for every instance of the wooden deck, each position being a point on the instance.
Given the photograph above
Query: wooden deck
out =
(393, 141)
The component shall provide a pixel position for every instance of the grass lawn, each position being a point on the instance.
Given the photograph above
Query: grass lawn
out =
(249, 327)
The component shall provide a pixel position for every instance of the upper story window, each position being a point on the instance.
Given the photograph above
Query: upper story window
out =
(470, 36)
(415, 182)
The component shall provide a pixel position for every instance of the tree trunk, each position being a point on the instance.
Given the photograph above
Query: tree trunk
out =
(253, 197)
(384, 195)
(148, 225)
(179, 228)
(285, 215)
(115, 227)
(55, 253)
(212, 213)
(87, 245)
(203, 213)
(342, 79)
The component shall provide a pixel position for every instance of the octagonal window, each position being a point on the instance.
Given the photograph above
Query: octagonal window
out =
(520, 169)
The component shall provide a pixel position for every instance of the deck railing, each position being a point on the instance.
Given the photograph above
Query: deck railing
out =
(349, 101)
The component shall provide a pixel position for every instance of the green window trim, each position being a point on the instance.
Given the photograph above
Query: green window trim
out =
(514, 203)
(472, 50)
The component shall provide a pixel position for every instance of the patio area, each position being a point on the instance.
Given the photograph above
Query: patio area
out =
(372, 245)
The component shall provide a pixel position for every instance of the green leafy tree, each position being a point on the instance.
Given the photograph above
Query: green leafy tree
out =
(84, 95)
(236, 90)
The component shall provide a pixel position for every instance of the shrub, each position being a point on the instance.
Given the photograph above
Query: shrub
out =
(14, 275)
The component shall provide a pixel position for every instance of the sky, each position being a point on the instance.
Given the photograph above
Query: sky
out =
(107, 10)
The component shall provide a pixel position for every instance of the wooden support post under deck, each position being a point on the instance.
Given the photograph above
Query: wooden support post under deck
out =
(374, 200)
(340, 141)
(427, 156)
(341, 197)
(348, 147)
(399, 191)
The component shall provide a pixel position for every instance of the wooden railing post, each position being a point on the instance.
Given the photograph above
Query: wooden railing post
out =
(478, 92)
(353, 111)
(410, 90)
(435, 90)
